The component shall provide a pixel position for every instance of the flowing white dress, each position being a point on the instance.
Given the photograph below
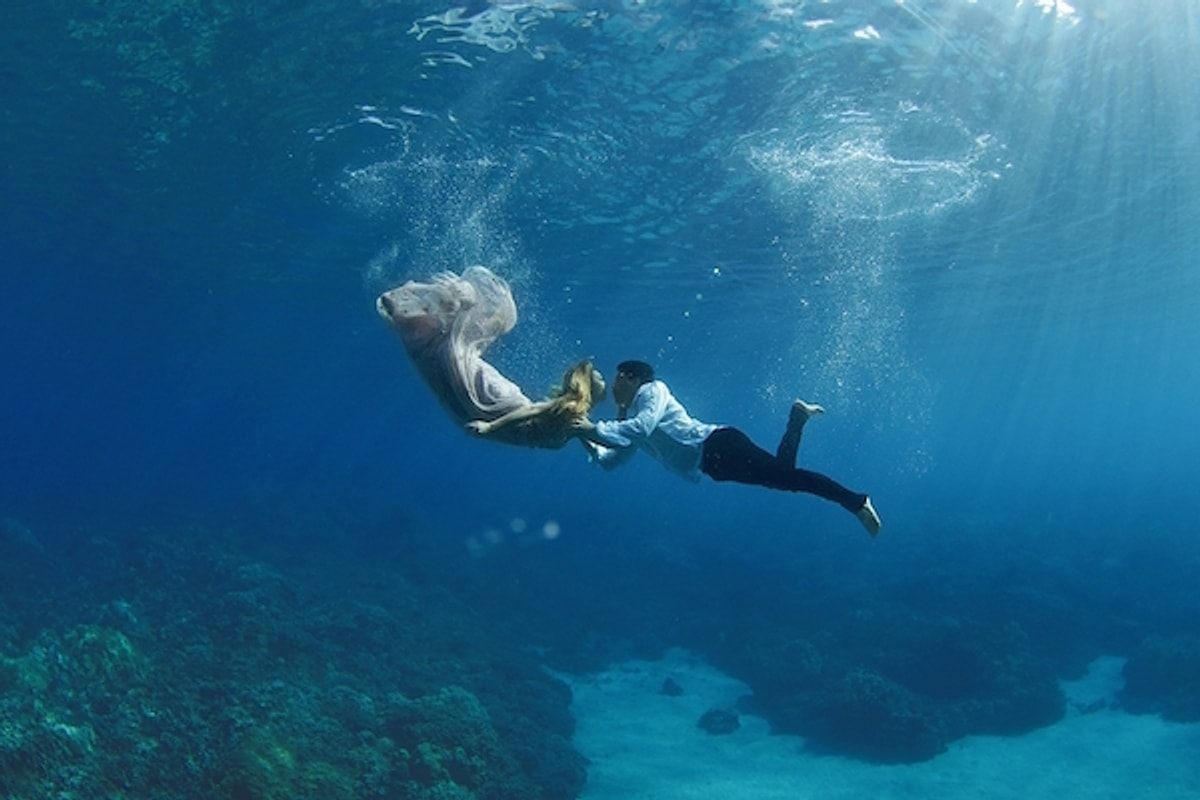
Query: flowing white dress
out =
(446, 325)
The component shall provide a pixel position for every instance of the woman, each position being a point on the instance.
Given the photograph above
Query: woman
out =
(446, 325)
(550, 423)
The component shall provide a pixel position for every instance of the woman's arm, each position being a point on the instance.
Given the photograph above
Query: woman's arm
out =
(483, 428)
(585, 430)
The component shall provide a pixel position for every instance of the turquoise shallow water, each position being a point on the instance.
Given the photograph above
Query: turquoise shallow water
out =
(965, 228)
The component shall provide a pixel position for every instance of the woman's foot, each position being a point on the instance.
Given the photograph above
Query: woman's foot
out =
(869, 518)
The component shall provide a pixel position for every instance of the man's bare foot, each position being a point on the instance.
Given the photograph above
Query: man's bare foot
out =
(802, 412)
(869, 518)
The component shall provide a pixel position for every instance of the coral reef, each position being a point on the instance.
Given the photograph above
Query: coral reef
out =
(1163, 676)
(873, 717)
(205, 664)
(869, 674)
(178, 667)
(890, 685)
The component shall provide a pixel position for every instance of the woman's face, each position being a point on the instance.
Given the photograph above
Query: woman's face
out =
(599, 387)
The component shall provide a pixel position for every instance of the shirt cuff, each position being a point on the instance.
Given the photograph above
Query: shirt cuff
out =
(606, 430)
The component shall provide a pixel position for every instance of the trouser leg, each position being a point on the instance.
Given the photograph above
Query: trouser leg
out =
(729, 455)
(789, 445)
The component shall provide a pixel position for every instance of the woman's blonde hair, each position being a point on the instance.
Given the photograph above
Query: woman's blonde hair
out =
(574, 398)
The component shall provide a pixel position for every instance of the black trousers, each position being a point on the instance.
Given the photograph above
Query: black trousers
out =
(729, 455)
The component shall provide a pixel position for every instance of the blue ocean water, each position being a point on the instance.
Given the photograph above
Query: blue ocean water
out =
(966, 228)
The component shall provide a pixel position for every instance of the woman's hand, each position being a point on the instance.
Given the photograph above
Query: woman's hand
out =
(479, 427)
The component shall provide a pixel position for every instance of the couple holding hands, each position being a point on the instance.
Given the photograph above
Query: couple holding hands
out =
(447, 323)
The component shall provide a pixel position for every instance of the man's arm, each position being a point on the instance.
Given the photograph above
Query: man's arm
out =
(646, 411)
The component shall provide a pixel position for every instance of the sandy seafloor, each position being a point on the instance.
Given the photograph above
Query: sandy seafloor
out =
(645, 744)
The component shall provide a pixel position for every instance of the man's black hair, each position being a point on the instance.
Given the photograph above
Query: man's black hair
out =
(638, 369)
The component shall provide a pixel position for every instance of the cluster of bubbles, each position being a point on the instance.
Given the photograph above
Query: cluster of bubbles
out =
(518, 532)
(851, 185)
(450, 211)
(858, 167)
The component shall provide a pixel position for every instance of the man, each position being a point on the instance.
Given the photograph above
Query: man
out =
(651, 419)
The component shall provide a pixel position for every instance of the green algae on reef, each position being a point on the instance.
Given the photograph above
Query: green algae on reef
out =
(172, 666)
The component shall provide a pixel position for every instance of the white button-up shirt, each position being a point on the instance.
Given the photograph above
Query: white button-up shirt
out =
(658, 424)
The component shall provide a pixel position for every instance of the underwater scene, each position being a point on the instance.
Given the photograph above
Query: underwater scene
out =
(404, 399)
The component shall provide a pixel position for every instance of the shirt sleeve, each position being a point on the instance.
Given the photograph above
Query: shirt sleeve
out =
(647, 411)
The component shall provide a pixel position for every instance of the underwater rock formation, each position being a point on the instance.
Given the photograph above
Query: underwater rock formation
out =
(816, 656)
(1163, 677)
(893, 686)
(876, 718)
(719, 721)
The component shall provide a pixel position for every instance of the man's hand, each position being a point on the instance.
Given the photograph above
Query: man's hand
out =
(582, 426)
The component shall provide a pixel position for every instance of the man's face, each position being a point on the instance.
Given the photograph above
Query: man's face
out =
(624, 388)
